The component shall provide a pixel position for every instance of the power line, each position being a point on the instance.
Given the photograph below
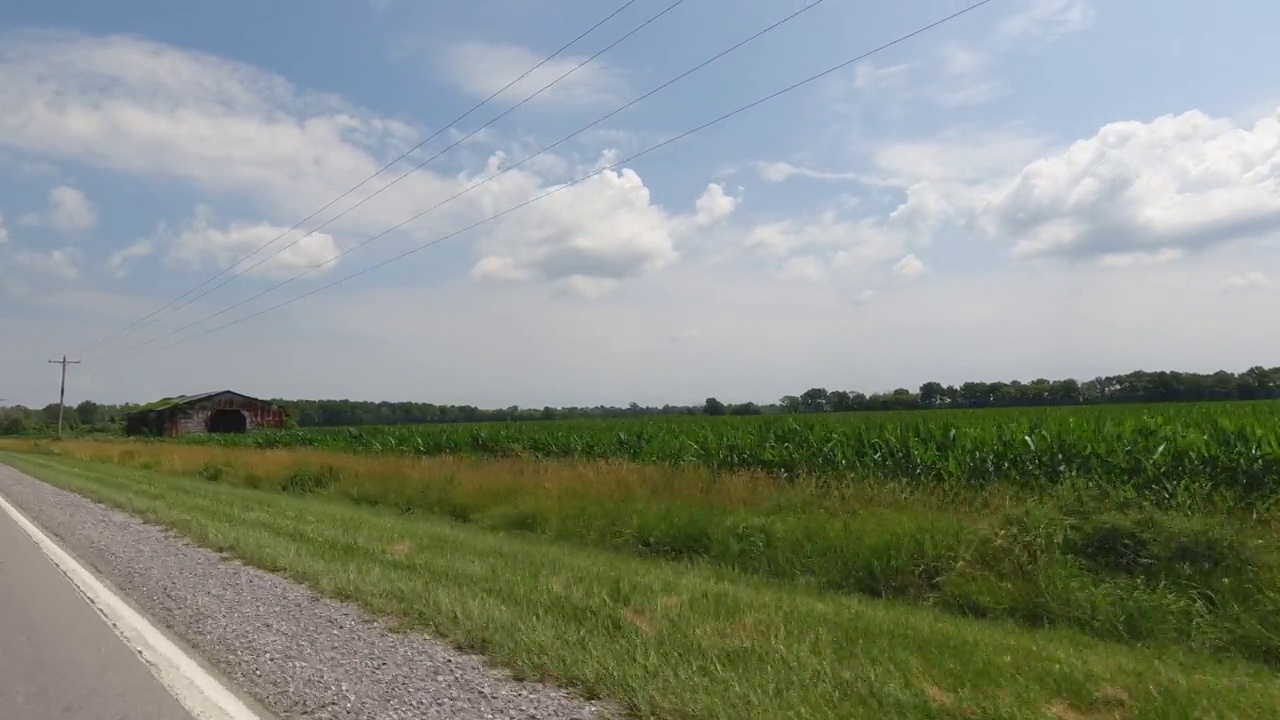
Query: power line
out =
(424, 162)
(489, 179)
(137, 324)
(681, 136)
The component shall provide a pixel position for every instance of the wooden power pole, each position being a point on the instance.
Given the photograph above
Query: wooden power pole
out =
(62, 390)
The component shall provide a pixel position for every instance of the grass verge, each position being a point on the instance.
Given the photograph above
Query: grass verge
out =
(1208, 580)
(674, 640)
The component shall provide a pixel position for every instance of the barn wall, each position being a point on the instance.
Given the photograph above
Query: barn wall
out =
(194, 418)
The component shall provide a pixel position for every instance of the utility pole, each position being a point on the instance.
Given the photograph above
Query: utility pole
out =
(62, 391)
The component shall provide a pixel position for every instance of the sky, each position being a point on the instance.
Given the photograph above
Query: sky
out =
(1037, 188)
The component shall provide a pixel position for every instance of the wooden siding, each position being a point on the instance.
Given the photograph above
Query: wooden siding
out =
(193, 417)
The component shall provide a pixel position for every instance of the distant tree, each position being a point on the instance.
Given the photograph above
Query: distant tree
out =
(839, 401)
(814, 400)
(714, 407)
(13, 424)
(90, 413)
(1140, 386)
(904, 399)
(1065, 392)
(1258, 382)
(932, 394)
(49, 414)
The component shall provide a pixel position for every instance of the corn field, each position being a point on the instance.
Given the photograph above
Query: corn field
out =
(1231, 447)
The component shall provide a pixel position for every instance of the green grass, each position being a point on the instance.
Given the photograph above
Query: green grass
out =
(674, 640)
(1178, 454)
(1208, 581)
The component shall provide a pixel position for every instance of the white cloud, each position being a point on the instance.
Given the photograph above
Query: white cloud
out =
(1048, 20)
(69, 211)
(960, 74)
(148, 109)
(1122, 260)
(1246, 281)
(143, 108)
(483, 68)
(967, 77)
(585, 237)
(957, 156)
(1177, 183)
(957, 76)
(908, 268)
(118, 263)
(199, 243)
(1134, 194)
(61, 263)
(872, 78)
(780, 171)
(827, 246)
(805, 268)
(4, 232)
(714, 205)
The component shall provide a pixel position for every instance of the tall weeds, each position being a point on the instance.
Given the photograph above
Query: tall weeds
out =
(1072, 556)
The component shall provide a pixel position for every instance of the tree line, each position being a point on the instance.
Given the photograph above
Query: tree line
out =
(1256, 383)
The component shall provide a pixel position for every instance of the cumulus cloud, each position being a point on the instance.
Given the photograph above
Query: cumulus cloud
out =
(199, 242)
(1134, 194)
(828, 246)
(69, 211)
(908, 268)
(586, 237)
(1175, 184)
(846, 242)
(714, 205)
(149, 109)
(133, 106)
(483, 68)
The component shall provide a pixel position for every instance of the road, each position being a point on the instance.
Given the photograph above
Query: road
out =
(59, 659)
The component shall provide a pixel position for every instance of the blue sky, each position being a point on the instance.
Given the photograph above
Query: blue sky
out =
(1039, 188)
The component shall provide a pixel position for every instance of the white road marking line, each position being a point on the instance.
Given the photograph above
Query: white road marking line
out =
(198, 691)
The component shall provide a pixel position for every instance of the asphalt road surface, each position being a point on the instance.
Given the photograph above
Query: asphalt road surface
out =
(59, 660)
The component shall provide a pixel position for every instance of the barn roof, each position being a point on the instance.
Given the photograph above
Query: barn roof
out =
(173, 402)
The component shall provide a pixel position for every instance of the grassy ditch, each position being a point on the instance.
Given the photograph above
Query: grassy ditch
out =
(674, 640)
(1208, 581)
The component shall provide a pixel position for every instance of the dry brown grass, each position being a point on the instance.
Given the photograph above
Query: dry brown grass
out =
(478, 481)
(966, 554)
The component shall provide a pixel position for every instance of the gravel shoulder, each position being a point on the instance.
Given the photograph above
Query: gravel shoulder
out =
(299, 654)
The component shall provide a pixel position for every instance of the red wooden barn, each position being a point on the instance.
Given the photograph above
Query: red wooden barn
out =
(222, 411)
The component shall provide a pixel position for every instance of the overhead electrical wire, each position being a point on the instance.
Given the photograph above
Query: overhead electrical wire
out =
(557, 189)
(147, 319)
(495, 176)
(420, 165)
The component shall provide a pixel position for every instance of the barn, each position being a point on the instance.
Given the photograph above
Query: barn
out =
(222, 411)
